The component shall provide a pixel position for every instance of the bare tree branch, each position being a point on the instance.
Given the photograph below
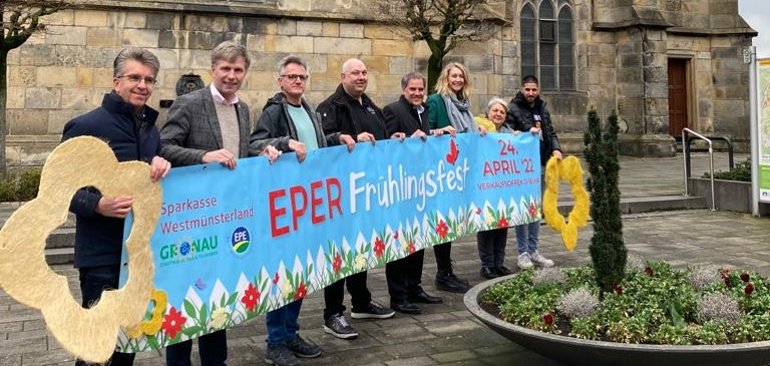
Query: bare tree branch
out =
(24, 19)
(442, 24)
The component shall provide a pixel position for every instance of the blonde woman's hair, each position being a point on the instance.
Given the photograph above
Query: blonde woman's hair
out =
(442, 84)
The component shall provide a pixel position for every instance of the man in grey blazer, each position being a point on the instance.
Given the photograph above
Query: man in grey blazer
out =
(205, 126)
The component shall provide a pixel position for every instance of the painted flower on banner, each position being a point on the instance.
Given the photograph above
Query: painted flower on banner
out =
(286, 289)
(250, 298)
(395, 235)
(379, 247)
(442, 229)
(411, 247)
(173, 322)
(219, 317)
(503, 223)
(532, 210)
(276, 278)
(301, 292)
(360, 262)
(337, 263)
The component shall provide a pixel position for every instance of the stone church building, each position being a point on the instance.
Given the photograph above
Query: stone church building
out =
(661, 64)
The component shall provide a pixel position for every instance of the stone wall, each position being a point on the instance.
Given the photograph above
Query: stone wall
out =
(621, 52)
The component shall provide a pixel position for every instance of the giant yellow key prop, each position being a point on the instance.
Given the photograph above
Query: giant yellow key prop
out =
(567, 169)
(89, 334)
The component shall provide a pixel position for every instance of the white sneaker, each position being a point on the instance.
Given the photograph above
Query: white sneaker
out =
(524, 261)
(541, 261)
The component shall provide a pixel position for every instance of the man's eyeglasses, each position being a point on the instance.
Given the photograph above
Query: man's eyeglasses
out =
(293, 77)
(136, 79)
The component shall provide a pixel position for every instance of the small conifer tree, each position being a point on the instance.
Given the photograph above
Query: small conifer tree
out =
(608, 251)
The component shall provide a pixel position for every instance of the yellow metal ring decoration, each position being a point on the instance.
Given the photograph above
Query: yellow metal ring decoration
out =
(90, 334)
(568, 169)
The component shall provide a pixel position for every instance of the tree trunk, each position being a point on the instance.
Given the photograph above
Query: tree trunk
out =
(434, 70)
(3, 102)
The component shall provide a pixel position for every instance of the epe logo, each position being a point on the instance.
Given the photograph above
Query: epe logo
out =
(240, 241)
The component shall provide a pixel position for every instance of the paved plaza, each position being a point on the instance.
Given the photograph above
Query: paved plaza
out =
(447, 333)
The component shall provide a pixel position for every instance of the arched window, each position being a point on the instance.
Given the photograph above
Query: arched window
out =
(548, 43)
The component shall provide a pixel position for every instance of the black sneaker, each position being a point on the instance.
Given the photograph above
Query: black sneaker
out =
(280, 356)
(374, 310)
(447, 281)
(339, 327)
(502, 271)
(303, 348)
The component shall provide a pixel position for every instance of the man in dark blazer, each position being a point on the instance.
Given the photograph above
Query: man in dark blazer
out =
(206, 126)
(408, 117)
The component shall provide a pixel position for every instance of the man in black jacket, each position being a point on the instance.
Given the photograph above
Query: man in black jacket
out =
(408, 117)
(289, 123)
(349, 110)
(527, 112)
(128, 125)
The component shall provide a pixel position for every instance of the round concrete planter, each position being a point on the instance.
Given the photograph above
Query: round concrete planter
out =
(573, 351)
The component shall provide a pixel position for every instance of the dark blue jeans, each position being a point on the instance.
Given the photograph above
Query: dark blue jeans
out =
(212, 348)
(282, 325)
(94, 280)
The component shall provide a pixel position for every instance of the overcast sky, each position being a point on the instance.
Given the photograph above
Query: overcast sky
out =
(757, 14)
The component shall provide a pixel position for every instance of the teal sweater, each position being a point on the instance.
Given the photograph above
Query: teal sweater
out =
(437, 114)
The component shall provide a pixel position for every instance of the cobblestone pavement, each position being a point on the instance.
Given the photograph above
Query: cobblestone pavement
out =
(447, 333)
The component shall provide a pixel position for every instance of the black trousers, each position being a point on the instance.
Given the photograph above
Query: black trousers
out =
(443, 254)
(334, 294)
(491, 245)
(94, 280)
(212, 349)
(404, 276)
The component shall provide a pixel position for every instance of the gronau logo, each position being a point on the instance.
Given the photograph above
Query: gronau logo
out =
(189, 249)
(240, 241)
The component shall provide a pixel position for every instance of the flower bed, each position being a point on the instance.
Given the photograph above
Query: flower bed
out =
(653, 304)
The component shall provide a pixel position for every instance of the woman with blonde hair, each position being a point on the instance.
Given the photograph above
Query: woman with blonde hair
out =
(449, 111)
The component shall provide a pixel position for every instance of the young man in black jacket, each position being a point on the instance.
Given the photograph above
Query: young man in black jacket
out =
(349, 110)
(408, 116)
(527, 112)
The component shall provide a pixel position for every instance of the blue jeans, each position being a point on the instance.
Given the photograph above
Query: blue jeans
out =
(282, 325)
(527, 236)
(94, 280)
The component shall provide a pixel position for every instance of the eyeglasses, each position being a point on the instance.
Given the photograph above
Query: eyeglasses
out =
(293, 77)
(136, 79)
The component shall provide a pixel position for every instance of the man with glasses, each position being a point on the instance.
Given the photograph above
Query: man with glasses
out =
(349, 110)
(289, 123)
(210, 125)
(128, 124)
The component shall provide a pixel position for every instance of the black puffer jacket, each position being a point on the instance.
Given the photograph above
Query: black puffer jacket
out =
(99, 239)
(336, 115)
(276, 128)
(522, 117)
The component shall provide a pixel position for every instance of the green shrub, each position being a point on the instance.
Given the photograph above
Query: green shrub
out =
(741, 172)
(20, 186)
(658, 305)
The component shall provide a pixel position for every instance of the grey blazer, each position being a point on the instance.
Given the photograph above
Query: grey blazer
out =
(192, 129)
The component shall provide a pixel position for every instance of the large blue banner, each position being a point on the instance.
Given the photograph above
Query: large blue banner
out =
(233, 244)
